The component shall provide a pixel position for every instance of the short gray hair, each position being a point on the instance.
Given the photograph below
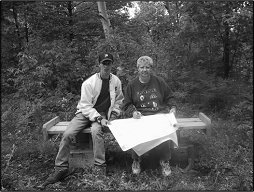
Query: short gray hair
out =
(145, 59)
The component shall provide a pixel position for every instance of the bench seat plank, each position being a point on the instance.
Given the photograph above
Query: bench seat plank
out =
(55, 126)
(181, 120)
(185, 123)
(65, 123)
(61, 128)
(192, 125)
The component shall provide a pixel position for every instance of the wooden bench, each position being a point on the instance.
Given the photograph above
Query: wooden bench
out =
(55, 127)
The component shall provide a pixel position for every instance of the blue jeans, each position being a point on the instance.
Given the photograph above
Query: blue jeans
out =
(77, 124)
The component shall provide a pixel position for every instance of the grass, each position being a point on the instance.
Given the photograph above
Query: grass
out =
(31, 164)
(224, 162)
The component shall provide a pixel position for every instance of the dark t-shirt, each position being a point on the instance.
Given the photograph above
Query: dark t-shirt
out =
(103, 102)
(148, 98)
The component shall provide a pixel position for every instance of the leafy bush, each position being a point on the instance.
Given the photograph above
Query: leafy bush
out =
(225, 97)
(15, 117)
(63, 105)
(225, 154)
(242, 111)
(48, 67)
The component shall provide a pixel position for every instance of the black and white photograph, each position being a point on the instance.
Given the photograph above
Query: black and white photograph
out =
(126, 95)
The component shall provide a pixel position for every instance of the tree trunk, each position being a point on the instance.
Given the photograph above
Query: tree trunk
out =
(26, 25)
(177, 12)
(15, 16)
(107, 26)
(226, 52)
(70, 20)
(104, 18)
(167, 6)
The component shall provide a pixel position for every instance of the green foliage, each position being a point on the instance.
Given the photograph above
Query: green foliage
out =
(51, 66)
(212, 95)
(242, 111)
(63, 105)
(15, 116)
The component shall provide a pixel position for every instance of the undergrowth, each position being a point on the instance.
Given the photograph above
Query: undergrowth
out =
(223, 161)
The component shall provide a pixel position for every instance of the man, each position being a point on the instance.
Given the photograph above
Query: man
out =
(148, 94)
(101, 97)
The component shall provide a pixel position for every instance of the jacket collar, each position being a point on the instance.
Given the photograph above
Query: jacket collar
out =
(99, 76)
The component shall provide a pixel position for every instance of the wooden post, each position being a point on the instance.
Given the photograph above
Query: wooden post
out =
(48, 125)
(207, 121)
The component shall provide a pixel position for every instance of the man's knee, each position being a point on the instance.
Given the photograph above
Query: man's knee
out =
(69, 136)
(96, 129)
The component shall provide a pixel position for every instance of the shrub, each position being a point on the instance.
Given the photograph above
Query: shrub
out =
(49, 67)
(242, 111)
(226, 153)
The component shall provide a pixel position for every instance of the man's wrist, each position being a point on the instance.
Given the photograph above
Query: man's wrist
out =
(98, 119)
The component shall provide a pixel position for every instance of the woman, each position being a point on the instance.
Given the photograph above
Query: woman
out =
(149, 94)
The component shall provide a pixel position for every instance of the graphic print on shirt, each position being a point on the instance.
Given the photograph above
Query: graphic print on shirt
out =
(148, 99)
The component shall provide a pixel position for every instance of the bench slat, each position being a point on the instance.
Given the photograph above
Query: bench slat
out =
(183, 123)
(207, 121)
(51, 123)
(203, 122)
(181, 120)
(47, 126)
(66, 123)
(192, 125)
(57, 129)
(60, 129)
(178, 120)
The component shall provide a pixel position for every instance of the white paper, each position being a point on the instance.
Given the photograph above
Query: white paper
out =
(144, 147)
(145, 133)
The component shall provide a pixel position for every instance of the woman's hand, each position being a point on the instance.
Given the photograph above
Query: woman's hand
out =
(136, 115)
(173, 110)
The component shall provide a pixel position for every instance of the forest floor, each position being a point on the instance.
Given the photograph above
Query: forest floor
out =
(29, 167)
(30, 170)
(26, 162)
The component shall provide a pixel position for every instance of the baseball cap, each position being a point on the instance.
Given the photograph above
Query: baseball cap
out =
(105, 57)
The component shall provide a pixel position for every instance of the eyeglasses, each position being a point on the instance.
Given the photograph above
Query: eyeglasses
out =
(106, 62)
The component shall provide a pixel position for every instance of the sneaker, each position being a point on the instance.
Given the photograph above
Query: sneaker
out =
(124, 178)
(136, 167)
(100, 170)
(165, 168)
(59, 174)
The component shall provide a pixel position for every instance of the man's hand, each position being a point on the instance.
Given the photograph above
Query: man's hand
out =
(104, 123)
(173, 110)
(136, 115)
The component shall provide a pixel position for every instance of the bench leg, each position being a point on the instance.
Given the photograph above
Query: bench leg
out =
(208, 131)
(81, 154)
(191, 156)
(45, 135)
(81, 158)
